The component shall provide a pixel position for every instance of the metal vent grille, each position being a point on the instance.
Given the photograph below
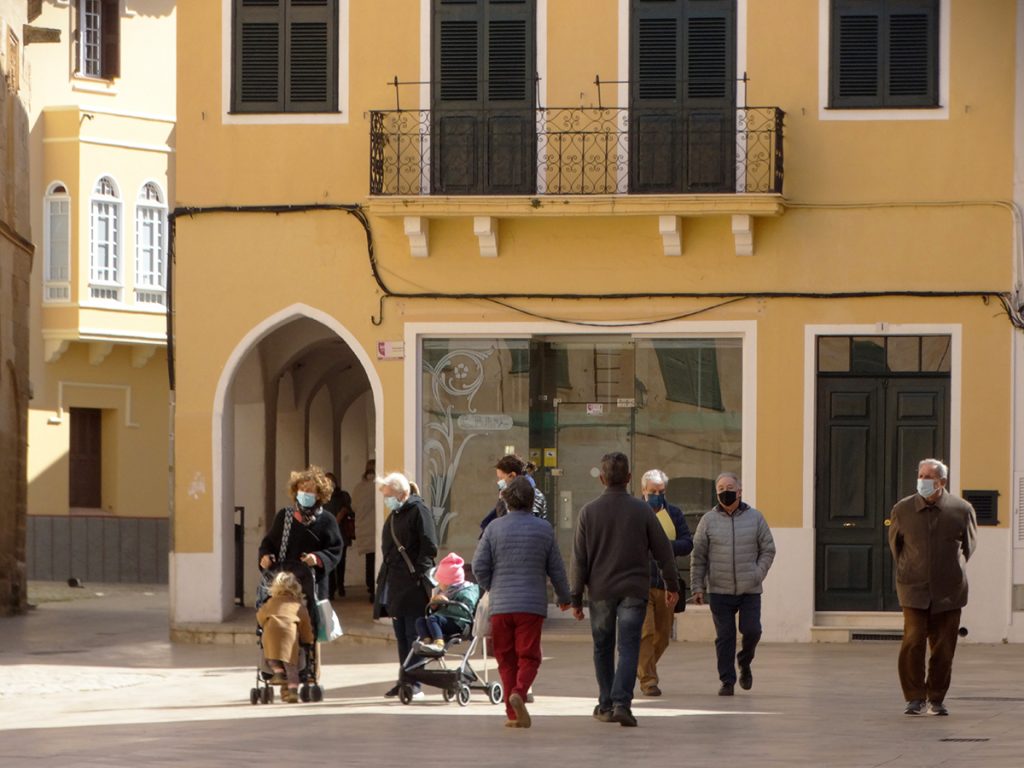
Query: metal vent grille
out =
(876, 636)
(1019, 538)
(986, 505)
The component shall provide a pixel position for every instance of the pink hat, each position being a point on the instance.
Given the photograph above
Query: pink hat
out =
(449, 570)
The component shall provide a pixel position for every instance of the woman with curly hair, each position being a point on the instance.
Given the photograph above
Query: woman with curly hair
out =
(314, 541)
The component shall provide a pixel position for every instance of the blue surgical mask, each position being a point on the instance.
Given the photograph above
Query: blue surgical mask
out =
(926, 486)
(656, 500)
(306, 499)
(502, 485)
(392, 503)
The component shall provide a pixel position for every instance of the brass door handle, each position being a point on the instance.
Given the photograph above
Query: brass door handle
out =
(888, 522)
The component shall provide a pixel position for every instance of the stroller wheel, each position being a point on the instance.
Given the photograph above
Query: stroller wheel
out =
(463, 695)
(449, 694)
(316, 693)
(268, 695)
(405, 693)
(495, 693)
(304, 693)
(254, 695)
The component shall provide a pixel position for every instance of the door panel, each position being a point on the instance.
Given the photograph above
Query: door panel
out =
(85, 458)
(871, 434)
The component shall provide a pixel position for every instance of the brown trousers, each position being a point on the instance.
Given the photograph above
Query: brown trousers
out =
(654, 637)
(937, 631)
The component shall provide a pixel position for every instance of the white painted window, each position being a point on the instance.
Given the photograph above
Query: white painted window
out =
(105, 242)
(150, 249)
(91, 41)
(57, 244)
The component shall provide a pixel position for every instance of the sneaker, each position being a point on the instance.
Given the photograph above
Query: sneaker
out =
(725, 690)
(519, 707)
(938, 708)
(602, 715)
(624, 717)
(278, 679)
(651, 690)
(391, 693)
(289, 695)
(746, 677)
(529, 696)
(418, 695)
(915, 707)
(511, 724)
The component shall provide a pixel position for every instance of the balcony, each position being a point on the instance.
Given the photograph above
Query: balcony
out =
(576, 161)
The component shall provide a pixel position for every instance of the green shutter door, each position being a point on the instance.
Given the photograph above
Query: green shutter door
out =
(311, 62)
(258, 63)
(683, 96)
(457, 105)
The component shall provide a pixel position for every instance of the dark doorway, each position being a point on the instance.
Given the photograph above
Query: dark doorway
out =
(682, 104)
(872, 430)
(85, 489)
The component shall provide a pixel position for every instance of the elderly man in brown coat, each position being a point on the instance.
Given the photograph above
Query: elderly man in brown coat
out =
(932, 534)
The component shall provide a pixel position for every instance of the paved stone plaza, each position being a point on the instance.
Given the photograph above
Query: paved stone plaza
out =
(93, 681)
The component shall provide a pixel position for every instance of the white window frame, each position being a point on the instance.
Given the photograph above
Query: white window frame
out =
(56, 287)
(106, 280)
(284, 118)
(90, 27)
(151, 254)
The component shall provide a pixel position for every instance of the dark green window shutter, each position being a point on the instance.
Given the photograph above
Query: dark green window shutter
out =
(285, 56)
(884, 53)
(312, 56)
(110, 36)
(483, 117)
(682, 96)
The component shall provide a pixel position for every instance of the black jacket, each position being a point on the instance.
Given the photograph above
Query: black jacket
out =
(400, 593)
(321, 538)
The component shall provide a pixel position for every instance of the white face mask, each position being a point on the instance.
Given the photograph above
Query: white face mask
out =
(926, 486)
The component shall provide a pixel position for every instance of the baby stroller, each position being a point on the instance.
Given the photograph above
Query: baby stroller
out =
(309, 655)
(450, 671)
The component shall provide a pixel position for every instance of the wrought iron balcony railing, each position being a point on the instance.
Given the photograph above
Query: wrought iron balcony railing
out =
(575, 151)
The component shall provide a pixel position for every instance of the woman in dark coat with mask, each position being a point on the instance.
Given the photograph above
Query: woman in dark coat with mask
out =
(403, 592)
(314, 541)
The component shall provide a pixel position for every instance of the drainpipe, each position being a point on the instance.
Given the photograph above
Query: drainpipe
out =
(1017, 406)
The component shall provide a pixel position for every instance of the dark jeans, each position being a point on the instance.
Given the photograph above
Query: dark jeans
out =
(938, 632)
(615, 682)
(437, 627)
(371, 573)
(338, 576)
(723, 610)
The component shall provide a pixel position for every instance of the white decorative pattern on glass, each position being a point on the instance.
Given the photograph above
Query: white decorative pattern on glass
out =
(150, 261)
(104, 242)
(57, 248)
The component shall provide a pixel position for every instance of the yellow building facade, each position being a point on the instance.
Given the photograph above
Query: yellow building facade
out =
(780, 239)
(102, 142)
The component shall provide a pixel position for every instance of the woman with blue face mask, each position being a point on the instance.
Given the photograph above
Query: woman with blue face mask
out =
(314, 543)
(408, 547)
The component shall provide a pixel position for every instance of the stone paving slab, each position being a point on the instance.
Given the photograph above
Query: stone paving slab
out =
(96, 682)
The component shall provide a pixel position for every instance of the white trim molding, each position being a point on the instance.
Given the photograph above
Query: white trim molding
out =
(930, 113)
(341, 117)
(58, 418)
(811, 334)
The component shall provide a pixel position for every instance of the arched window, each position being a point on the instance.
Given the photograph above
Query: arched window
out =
(105, 242)
(57, 243)
(150, 246)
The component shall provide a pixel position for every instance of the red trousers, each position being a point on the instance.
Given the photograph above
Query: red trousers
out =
(516, 640)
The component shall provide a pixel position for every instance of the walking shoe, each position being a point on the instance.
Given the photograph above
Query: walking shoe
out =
(418, 695)
(289, 695)
(651, 690)
(278, 679)
(938, 708)
(391, 693)
(725, 690)
(511, 724)
(915, 707)
(519, 707)
(746, 677)
(529, 695)
(602, 715)
(624, 717)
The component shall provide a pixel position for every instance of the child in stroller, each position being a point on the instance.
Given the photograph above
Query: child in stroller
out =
(286, 635)
(448, 622)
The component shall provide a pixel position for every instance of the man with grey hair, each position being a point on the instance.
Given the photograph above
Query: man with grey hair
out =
(732, 552)
(932, 535)
(657, 629)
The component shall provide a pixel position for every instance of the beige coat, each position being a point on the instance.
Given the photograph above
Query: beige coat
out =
(930, 547)
(285, 621)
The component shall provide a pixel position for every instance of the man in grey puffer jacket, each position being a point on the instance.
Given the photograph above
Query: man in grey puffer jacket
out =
(732, 552)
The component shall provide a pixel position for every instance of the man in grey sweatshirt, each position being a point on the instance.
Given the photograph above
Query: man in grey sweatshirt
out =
(732, 552)
(617, 535)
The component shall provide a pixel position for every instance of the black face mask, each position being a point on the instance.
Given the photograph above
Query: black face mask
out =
(727, 498)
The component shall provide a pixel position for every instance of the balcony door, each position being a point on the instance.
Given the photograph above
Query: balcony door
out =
(682, 136)
(483, 110)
